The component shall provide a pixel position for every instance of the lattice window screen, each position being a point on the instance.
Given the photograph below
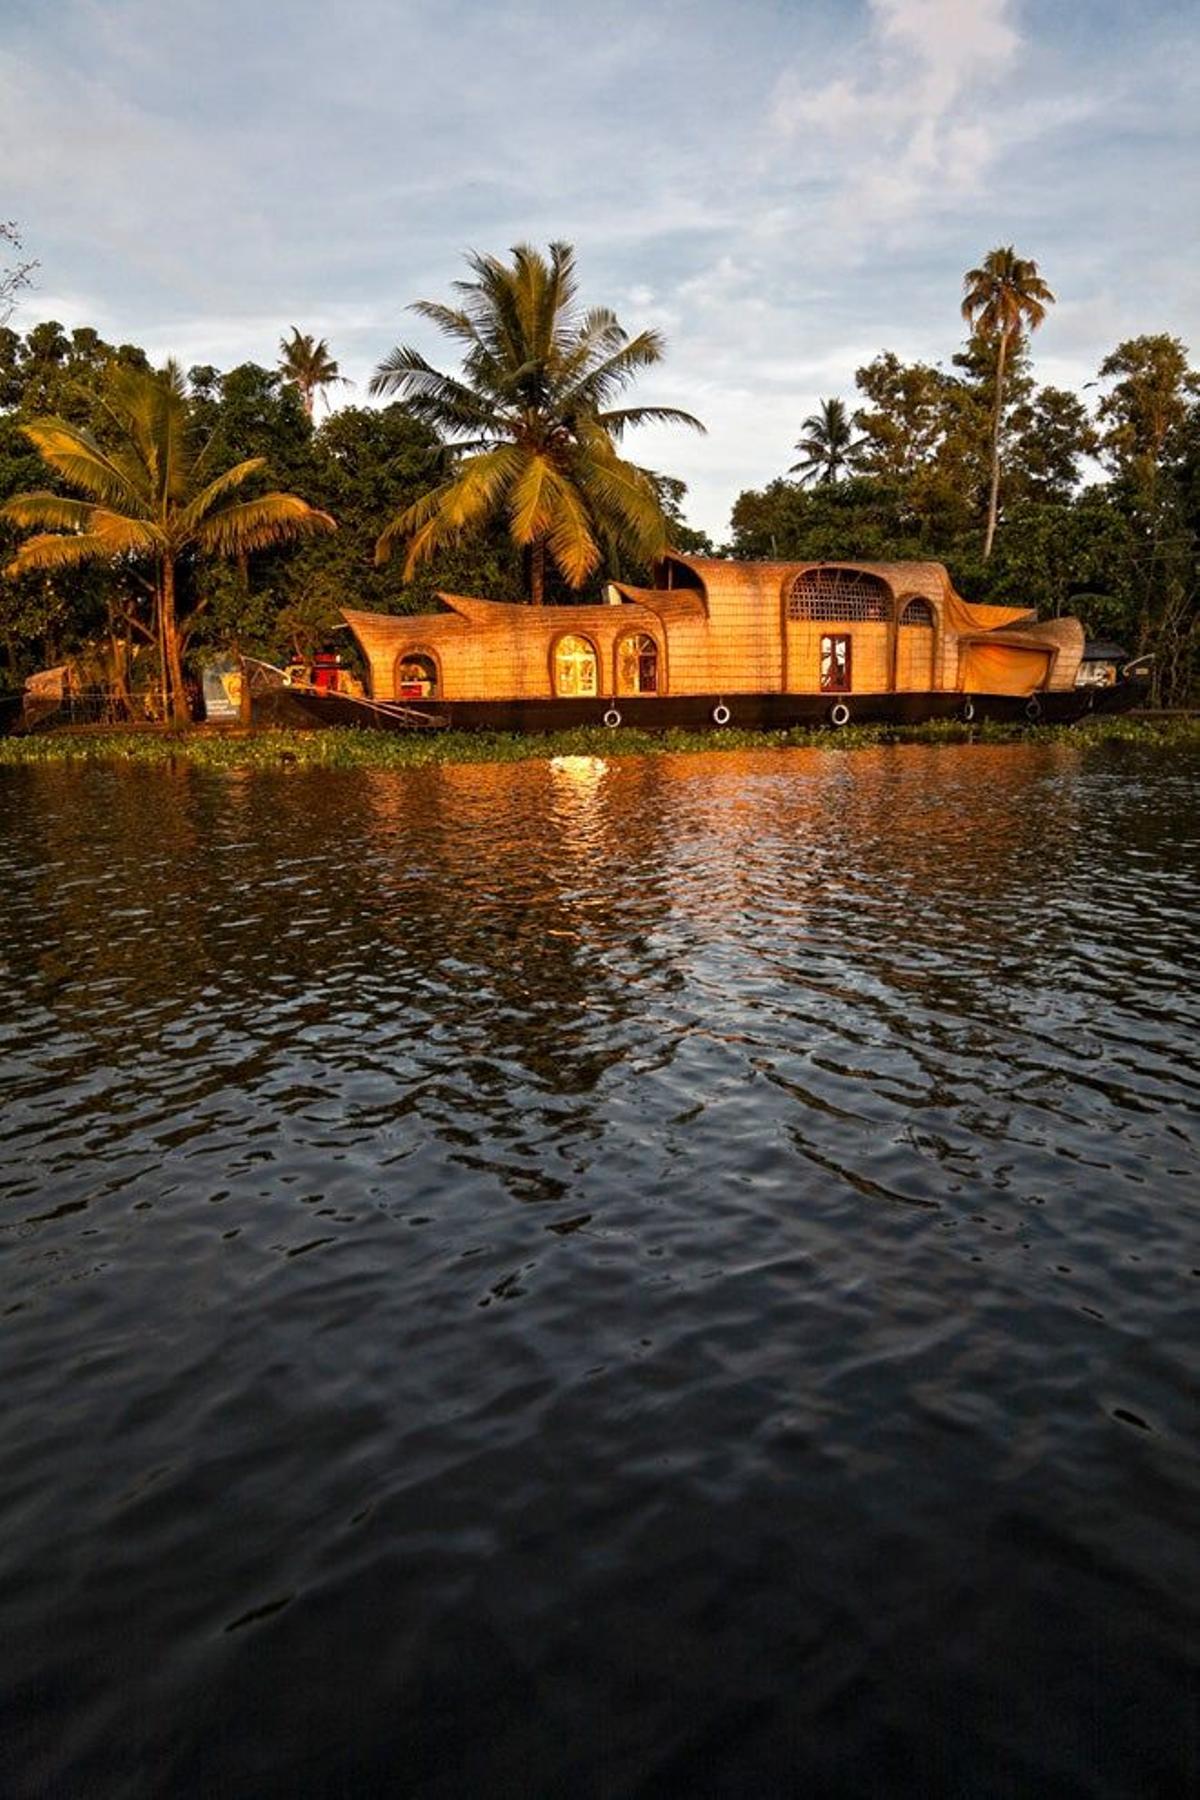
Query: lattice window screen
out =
(841, 594)
(916, 612)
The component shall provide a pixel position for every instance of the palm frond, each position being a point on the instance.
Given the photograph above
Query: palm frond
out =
(617, 421)
(151, 412)
(192, 515)
(256, 524)
(571, 539)
(624, 499)
(59, 550)
(472, 493)
(599, 335)
(614, 373)
(51, 511)
(547, 507)
(451, 320)
(75, 455)
(531, 502)
(426, 392)
(123, 536)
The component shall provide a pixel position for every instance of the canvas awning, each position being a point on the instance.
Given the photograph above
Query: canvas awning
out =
(995, 665)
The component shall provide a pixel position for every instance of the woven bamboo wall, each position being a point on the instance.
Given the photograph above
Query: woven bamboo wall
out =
(914, 659)
(743, 649)
(501, 651)
(732, 636)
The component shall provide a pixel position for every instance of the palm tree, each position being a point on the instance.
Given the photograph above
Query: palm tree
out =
(829, 444)
(305, 361)
(531, 421)
(1001, 299)
(152, 499)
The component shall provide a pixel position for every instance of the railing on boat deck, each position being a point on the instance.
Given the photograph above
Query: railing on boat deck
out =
(386, 709)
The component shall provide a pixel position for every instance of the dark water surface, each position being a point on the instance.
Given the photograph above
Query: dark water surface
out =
(669, 1278)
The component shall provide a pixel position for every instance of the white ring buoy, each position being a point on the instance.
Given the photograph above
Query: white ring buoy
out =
(721, 714)
(839, 714)
(967, 712)
(612, 717)
(1033, 709)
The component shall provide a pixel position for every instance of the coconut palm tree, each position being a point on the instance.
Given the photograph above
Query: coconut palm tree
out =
(1001, 299)
(531, 421)
(305, 361)
(829, 444)
(154, 498)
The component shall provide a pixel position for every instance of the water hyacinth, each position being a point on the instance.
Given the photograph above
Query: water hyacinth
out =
(351, 749)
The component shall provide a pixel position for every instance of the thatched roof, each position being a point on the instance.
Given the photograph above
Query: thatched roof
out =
(928, 580)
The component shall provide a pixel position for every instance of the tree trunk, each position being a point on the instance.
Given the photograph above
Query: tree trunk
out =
(120, 667)
(176, 697)
(537, 571)
(994, 494)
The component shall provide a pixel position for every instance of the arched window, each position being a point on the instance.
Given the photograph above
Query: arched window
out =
(575, 667)
(637, 664)
(842, 594)
(416, 676)
(916, 612)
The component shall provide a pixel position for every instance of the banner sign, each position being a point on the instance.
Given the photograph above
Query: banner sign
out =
(222, 683)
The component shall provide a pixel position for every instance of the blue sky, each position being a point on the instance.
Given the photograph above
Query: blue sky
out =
(784, 188)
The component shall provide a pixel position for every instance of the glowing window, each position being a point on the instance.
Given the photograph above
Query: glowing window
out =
(416, 678)
(848, 594)
(835, 664)
(575, 667)
(637, 665)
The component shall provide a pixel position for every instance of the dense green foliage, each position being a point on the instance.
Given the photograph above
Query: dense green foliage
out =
(160, 501)
(360, 465)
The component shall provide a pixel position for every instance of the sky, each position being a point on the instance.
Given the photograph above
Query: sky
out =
(784, 187)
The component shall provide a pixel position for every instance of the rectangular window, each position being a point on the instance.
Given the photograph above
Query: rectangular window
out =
(835, 664)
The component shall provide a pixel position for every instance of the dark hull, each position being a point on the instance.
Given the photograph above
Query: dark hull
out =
(697, 712)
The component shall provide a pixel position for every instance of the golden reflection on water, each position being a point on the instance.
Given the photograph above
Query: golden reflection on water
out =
(560, 875)
(564, 884)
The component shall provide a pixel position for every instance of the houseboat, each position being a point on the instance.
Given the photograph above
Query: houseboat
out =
(718, 643)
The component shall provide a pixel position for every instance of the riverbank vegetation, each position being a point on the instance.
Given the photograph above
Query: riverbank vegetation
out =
(345, 749)
(505, 479)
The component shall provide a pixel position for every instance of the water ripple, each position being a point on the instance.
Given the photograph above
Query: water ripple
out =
(669, 1275)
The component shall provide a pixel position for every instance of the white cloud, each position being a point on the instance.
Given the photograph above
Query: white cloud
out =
(200, 191)
(909, 130)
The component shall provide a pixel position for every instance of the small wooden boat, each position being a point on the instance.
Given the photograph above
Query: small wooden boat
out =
(326, 693)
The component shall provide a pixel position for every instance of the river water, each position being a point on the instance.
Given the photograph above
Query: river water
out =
(675, 1276)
